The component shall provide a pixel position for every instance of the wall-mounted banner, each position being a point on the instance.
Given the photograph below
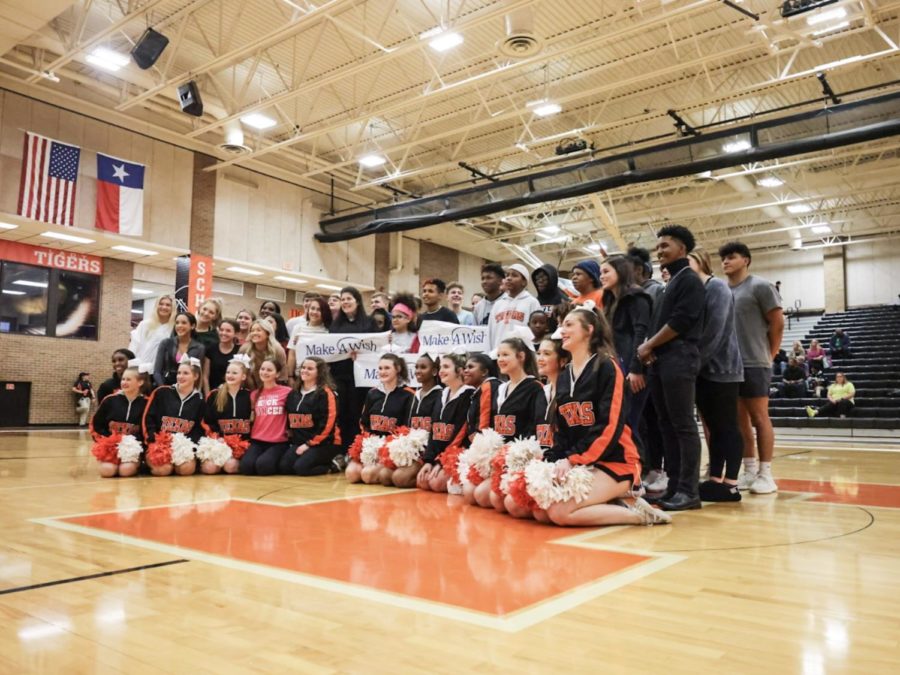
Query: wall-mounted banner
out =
(365, 370)
(199, 281)
(50, 257)
(443, 337)
(337, 346)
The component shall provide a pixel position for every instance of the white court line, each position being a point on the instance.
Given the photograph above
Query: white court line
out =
(824, 448)
(511, 623)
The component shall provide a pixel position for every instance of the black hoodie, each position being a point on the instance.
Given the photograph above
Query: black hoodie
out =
(551, 297)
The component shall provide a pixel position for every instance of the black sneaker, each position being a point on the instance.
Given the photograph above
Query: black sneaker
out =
(711, 491)
(338, 464)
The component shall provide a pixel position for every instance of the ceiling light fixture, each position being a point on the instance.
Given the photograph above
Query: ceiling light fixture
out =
(737, 146)
(799, 208)
(371, 161)
(8, 226)
(292, 280)
(443, 41)
(133, 249)
(9, 292)
(107, 59)
(550, 229)
(545, 108)
(770, 182)
(831, 29)
(244, 270)
(141, 291)
(830, 15)
(258, 121)
(595, 247)
(33, 284)
(821, 229)
(328, 287)
(67, 237)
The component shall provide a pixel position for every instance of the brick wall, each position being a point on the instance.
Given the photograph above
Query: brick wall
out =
(437, 262)
(53, 364)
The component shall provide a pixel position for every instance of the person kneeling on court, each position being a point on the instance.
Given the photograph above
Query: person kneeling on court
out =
(227, 420)
(591, 408)
(116, 426)
(315, 438)
(173, 422)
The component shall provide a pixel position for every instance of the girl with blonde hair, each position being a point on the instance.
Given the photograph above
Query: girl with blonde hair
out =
(154, 329)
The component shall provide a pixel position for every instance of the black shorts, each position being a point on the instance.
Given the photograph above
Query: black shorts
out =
(756, 383)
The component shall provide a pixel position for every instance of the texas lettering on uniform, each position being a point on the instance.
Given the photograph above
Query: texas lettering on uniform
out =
(176, 425)
(578, 414)
(505, 425)
(234, 426)
(382, 423)
(441, 431)
(300, 420)
(124, 428)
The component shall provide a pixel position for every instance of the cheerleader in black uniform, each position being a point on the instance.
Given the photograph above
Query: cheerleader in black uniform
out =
(228, 412)
(551, 359)
(517, 399)
(386, 407)
(448, 424)
(427, 395)
(481, 374)
(312, 409)
(590, 411)
(171, 410)
(119, 414)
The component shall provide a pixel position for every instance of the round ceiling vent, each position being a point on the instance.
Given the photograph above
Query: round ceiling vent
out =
(234, 148)
(520, 45)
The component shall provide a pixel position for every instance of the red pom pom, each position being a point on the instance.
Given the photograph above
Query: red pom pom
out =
(498, 468)
(384, 455)
(106, 448)
(355, 448)
(238, 445)
(159, 453)
(473, 476)
(449, 459)
(518, 490)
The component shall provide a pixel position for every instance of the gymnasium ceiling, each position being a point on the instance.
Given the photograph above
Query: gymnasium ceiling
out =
(343, 79)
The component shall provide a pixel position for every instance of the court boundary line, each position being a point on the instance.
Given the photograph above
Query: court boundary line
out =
(89, 577)
(510, 623)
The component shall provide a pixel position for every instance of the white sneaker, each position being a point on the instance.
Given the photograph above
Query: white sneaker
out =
(648, 514)
(660, 484)
(763, 485)
(746, 480)
(652, 475)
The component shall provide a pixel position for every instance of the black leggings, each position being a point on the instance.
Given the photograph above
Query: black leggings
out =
(717, 403)
(842, 407)
(314, 462)
(261, 458)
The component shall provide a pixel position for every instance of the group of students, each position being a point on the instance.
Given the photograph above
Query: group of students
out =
(609, 387)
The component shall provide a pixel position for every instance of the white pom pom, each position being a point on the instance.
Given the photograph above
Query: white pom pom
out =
(129, 449)
(479, 454)
(213, 450)
(541, 483)
(182, 449)
(518, 454)
(407, 449)
(578, 484)
(368, 455)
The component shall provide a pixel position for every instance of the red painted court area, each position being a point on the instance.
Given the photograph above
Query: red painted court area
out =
(420, 545)
(846, 492)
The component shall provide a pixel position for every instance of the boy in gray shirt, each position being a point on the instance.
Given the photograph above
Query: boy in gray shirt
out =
(759, 321)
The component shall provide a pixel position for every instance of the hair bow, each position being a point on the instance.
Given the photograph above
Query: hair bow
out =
(192, 361)
(145, 367)
(134, 363)
(523, 333)
(243, 359)
(587, 305)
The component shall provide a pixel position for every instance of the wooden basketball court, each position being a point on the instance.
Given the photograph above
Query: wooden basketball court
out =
(239, 574)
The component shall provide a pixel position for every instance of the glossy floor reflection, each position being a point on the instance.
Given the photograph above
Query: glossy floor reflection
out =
(426, 546)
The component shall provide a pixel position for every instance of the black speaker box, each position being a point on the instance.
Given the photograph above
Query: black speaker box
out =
(189, 97)
(148, 48)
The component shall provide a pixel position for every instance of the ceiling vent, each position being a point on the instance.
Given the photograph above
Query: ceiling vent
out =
(234, 139)
(520, 41)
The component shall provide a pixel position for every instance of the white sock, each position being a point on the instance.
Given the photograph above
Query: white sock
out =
(765, 469)
(751, 464)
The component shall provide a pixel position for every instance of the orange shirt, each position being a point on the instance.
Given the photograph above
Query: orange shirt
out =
(596, 295)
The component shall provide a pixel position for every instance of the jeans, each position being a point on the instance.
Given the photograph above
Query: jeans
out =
(673, 383)
(314, 462)
(718, 403)
(261, 458)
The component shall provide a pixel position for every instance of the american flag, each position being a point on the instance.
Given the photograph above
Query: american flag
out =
(49, 174)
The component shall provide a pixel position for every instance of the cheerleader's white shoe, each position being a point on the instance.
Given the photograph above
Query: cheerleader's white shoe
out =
(648, 514)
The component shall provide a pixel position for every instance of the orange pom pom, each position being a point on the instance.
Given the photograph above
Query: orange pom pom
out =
(518, 490)
(384, 456)
(355, 448)
(449, 459)
(106, 448)
(237, 443)
(473, 476)
(159, 452)
(498, 466)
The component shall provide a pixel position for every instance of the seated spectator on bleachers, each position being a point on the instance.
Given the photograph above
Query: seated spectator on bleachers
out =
(793, 383)
(779, 363)
(839, 344)
(797, 350)
(815, 357)
(840, 399)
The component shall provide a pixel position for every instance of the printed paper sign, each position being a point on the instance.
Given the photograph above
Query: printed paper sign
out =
(333, 347)
(443, 337)
(365, 370)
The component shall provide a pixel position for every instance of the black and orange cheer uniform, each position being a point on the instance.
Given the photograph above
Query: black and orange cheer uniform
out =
(117, 415)
(167, 411)
(423, 407)
(515, 416)
(312, 421)
(448, 425)
(483, 406)
(543, 427)
(233, 420)
(590, 420)
(385, 411)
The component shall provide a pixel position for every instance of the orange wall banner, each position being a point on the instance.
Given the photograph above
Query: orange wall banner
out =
(199, 281)
(70, 261)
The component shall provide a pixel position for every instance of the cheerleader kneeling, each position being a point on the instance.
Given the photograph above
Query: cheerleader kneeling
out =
(597, 465)
(116, 426)
(227, 420)
(173, 422)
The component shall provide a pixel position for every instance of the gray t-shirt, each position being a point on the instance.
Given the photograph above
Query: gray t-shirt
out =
(754, 297)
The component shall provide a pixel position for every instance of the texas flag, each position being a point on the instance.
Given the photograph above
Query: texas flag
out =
(120, 195)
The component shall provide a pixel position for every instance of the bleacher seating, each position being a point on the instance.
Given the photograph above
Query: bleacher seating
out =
(874, 370)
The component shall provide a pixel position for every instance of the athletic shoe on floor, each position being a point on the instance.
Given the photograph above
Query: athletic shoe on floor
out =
(651, 476)
(660, 484)
(649, 515)
(811, 412)
(338, 464)
(763, 485)
(746, 480)
(711, 491)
